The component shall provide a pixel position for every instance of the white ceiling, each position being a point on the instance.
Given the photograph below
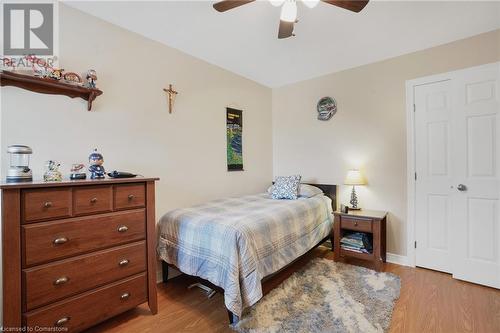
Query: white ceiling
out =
(328, 39)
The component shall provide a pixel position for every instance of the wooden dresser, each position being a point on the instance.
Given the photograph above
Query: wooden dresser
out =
(77, 252)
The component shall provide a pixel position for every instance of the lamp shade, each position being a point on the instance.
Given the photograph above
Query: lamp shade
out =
(354, 177)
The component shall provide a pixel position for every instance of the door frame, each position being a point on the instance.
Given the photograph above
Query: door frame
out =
(410, 150)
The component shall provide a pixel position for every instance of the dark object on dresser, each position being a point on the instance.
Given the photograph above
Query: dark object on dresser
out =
(49, 86)
(121, 174)
(367, 221)
(77, 252)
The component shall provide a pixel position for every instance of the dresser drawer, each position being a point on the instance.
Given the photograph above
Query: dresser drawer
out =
(128, 196)
(92, 199)
(46, 241)
(42, 204)
(356, 224)
(52, 282)
(79, 312)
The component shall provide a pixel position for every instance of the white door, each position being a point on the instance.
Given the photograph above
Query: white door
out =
(476, 139)
(433, 122)
(457, 161)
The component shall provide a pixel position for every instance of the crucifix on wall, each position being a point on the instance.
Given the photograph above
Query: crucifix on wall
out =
(171, 94)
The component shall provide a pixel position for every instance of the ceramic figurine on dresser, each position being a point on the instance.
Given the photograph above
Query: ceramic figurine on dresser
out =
(52, 174)
(96, 169)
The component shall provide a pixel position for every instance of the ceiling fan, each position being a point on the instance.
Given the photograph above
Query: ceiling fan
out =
(288, 15)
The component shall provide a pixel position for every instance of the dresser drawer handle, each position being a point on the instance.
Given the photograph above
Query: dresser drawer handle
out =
(61, 280)
(123, 262)
(125, 296)
(62, 321)
(131, 197)
(60, 240)
(355, 224)
(122, 228)
(47, 204)
(93, 200)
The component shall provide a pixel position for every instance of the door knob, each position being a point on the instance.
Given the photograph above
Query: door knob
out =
(461, 187)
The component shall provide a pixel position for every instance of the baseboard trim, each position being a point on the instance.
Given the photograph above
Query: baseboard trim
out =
(397, 259)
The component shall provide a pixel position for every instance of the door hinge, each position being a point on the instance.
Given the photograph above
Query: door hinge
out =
(415, 244)
(415, 176)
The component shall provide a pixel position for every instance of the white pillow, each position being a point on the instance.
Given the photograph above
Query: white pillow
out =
(309, 191)
(305, 191)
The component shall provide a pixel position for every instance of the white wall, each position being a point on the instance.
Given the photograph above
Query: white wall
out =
(369, 129)
(130, 123)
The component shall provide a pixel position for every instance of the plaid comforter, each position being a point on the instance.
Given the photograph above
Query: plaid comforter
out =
(236, 242)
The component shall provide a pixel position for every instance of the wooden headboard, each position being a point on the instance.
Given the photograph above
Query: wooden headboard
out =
(330, 191)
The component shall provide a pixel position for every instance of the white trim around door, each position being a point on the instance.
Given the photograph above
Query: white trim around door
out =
(410, 148)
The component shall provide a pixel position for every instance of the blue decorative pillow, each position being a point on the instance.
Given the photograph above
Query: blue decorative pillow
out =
(286, 187)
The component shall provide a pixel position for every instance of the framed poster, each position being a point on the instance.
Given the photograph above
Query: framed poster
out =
(234, 132)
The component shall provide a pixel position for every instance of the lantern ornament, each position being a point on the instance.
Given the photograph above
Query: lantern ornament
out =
(19, 170)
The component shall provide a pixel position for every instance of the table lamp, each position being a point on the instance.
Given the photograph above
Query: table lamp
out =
(354, 178)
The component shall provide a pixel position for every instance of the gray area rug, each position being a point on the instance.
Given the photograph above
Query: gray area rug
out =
(326, 297)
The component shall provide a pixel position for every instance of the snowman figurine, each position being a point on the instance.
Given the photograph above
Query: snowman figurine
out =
(96, 169)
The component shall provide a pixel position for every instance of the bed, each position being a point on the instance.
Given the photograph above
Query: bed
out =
(235, 243)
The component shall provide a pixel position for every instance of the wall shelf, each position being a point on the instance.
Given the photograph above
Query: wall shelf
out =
(48, 86)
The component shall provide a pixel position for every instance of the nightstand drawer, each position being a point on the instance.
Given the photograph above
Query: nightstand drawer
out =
(356, 224)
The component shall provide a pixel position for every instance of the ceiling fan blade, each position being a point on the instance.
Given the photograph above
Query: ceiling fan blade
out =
(224, 5)
(285, 30)
(353, 5)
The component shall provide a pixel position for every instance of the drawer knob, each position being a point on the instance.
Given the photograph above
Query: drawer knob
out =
(61, 280)
(125, 296)
(131, 196)
(93, 200)
(122, 228)
(60, 240)
(123, 262)
(62, 321)
(355, 224)
(47, 204)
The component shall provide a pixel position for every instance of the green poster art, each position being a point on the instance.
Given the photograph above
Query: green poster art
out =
(234, 132)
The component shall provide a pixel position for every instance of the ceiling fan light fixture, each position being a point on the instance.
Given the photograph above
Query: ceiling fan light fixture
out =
(276, 3)
(289, 11)
(310, 3)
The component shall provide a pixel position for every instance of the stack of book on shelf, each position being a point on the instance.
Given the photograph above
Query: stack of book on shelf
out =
(357, 242)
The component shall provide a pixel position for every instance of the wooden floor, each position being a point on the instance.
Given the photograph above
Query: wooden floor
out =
(429, 302)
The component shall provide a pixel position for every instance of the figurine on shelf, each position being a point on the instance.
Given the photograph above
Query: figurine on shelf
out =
(91, 77)
(72, 78)
(77, 171)
(52, 174)
(56, 73)
(96, 169)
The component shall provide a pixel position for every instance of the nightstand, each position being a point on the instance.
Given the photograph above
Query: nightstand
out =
(368, 221)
